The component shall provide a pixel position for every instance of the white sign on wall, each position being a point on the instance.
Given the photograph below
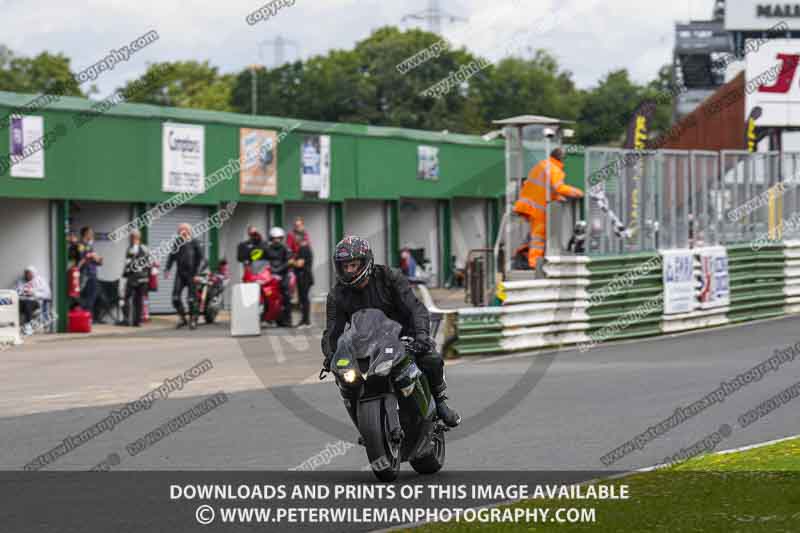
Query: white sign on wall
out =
(715, 281)
(761, 15)
(315, 164)
(183, 153)
(26, 146)
(773, 83)
(678, 272)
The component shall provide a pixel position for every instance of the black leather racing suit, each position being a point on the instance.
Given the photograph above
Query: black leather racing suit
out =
(189, 261)
(387, 290)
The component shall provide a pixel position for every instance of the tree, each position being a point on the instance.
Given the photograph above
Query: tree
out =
(45, 73)
(607, 109)
(535, 86)
(182, 84)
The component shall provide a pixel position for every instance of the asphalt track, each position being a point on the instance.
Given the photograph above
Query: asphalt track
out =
(579, 407)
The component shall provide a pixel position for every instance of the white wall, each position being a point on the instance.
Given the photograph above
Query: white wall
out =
(419, 229)
(103, 218)
(24, 239)
(318, 228)
(468, 227)
(367, 219)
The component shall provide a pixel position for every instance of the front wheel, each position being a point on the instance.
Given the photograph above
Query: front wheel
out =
(433, 462)
(383, 451)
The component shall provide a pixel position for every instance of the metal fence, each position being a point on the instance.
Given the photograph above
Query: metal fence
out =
(667, 199)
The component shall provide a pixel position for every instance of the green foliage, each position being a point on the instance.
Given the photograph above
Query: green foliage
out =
(45, 73)
(364, 85)
(183, 84)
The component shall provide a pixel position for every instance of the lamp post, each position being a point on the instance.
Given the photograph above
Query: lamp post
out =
(254, 88)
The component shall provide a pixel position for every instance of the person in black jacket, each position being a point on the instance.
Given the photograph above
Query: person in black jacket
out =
(188, 257)
(362, 285)
(254, 242)
(137, 278)
(279, 259)
(303, 264)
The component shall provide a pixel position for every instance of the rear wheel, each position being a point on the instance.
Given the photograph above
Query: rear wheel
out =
(211, 314)
(433, 462)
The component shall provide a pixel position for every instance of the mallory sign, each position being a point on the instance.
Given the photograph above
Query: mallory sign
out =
(758, 15)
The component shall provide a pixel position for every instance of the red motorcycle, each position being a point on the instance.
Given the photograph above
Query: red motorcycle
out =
(271, 299)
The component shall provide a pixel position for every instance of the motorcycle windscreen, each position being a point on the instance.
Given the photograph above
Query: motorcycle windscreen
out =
(372, 335)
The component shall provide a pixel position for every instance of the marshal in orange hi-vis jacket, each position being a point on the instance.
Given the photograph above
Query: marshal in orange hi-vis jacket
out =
(532, 203)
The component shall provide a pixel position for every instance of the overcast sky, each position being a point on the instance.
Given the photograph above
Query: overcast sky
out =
(589, 37)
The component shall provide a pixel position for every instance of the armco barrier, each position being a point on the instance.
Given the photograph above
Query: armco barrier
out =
(575, 300)
(584, 299)
(791, 272)
(621, 285)
(535, 313)
(757, 281)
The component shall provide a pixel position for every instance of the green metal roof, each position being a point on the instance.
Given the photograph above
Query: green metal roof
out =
(72, 103)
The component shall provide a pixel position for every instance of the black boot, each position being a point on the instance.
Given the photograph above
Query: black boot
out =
(182, 322)
(449, 416)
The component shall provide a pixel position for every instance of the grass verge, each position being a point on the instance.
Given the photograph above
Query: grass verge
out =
(752, 491)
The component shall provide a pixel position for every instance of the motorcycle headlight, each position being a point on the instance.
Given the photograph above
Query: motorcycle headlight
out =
(349, 376)
(383, 368)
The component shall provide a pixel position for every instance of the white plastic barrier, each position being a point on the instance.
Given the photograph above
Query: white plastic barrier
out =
(245, 319)
(9, 318)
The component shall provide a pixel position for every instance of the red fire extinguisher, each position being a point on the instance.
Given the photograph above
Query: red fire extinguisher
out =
(74, 282)
(154, 277)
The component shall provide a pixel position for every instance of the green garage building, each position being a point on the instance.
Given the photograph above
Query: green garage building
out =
(441, 192)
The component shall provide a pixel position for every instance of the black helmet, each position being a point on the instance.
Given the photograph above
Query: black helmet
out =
(349, 249)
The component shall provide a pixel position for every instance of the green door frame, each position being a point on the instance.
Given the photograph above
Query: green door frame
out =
(445, 234)
(393, 228)
(60, 277)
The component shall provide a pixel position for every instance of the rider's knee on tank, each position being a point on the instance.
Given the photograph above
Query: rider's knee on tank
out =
(431, 360)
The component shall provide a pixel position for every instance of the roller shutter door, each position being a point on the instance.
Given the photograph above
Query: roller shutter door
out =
(162, 231)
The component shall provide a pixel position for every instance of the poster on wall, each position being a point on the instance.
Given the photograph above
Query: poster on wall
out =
(678, 274)
(315, 164)
(26, 151)
(715, 282)
(258, 159)
(183, 156)
(428, 163)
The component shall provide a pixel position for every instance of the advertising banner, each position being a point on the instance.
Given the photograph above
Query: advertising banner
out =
(183, 158)
(773, 83)
(715, 282)
(428, 163)
(315, 164)
(678, 267)
(26, 149)
(760, 15)
(258, 159)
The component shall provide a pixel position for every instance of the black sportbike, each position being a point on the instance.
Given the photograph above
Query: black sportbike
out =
(395, 412)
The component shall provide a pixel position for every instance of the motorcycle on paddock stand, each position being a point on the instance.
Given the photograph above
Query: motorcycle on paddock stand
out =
(208, 288)
(395, 412)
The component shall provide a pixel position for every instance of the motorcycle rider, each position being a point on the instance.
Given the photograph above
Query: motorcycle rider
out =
(279, 257)
(244, 252)
(362, 284)
(190, 261)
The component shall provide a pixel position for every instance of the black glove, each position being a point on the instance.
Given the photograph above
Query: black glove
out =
(423, 344)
